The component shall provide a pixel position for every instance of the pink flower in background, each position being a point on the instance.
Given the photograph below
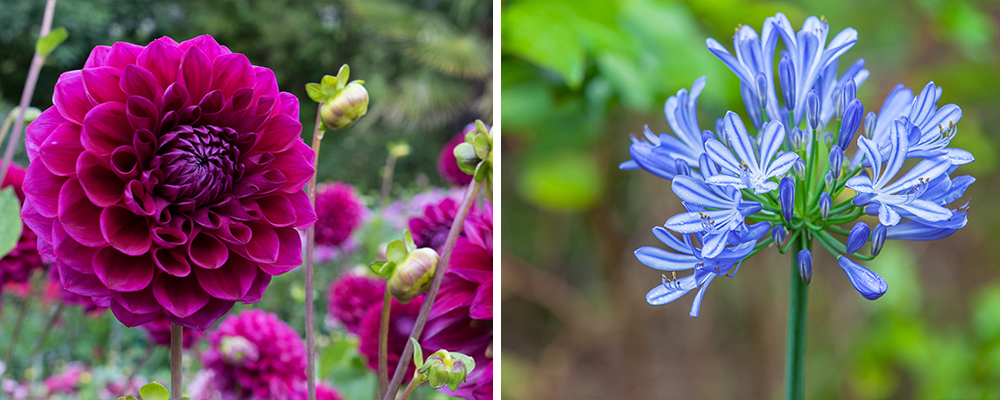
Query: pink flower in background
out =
(257, 352)
(448, 166)
(399, 212)
(339, 212)
(351, 296)
(431, 229)
(158, 331)
(66, 382)
(402, 317)
(462, 316)
(18, 265)
(324, 392)
(169, 178)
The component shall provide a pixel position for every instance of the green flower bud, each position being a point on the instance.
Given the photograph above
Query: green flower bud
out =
(446, 369)
(346, 107)
(413, 276)
(465, 155)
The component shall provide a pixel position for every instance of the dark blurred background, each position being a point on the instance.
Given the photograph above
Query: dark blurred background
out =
(427, 64)
(580, 77)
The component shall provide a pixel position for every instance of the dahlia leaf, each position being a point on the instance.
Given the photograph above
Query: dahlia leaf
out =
(332, 355)
(10, 221)
(315, 92)
(396, 252)
(45, 45)
(418, 353)
(154, 391)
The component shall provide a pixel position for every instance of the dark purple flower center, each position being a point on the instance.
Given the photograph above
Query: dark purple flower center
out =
(199, 164)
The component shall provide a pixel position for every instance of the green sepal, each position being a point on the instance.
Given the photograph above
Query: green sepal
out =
(154, 391)
(481, 127)
(382, 268)
(47, 44)
(465, 156)
(396, 252)
(483, 146)
(469, 363)
(408, 240)
(10, 221)
(481, 170)
(418, 354)
(343, 75)
(315, 92)
(330, 81)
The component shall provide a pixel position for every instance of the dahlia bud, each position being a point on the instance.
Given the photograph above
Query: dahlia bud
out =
(444, 368)
(237, 349)
(29, 115)
(805, 266)
(413, 276)
(343, 102)
(786, 197)
(825, 202)
(858, 237)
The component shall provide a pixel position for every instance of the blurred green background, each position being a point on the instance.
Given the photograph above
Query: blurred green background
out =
(579, 77)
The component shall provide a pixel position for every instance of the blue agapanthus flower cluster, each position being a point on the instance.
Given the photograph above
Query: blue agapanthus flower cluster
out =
(784, 184)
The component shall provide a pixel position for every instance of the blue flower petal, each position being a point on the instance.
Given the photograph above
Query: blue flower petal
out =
(868, 283)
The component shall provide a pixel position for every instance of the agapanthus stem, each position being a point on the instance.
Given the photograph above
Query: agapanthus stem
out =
(425, 309)
(176, 359)
(796, 350)
(383, 345)
(310, 248)
(29, 90)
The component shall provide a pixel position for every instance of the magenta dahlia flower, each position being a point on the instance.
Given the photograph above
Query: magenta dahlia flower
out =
(401, 320)
(258, 355)
(448, 166)
(158, 331)
(339, 211)
(399, 212)
(431, 229)
(324, 392)
(169, 178)
(351, 296)
(90, 307)
(24, 259)
(462, 316)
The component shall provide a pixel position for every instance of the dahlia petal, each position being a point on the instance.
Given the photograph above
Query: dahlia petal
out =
(205, 43)
(141, 113)
(256, 291)
(169, 237)
(78, 216)
(97, 57)
(144, 143)
(279, 134)
(36, 222)
(207, 218)
(233, 232)
(305, 214)
(138, 302)
(207, 251)
(125, 231)
(181, 297)
(206, 316)
(212, 103)
(42, 184)
(70, 97)
(173, 262)
(138, 200)
(266, 84)
(196, 72)
(232, 71)
(61, 149)
(70, 252)
(124, 162)
(258, 114)
(261, 183)
(264, 244)
(40, 129)
(229, 283)
(130, 319)
(467, 255)
(105, 128)
(79, 283)
(122, 273)
(175, 97)
(138, 81)
(482, 304)
(277, 209)
(460, 293)
(161, 57)
(102, 186)
(122, 54)
(288, 105)
(289, 251)
(296, 167)
(101, 84)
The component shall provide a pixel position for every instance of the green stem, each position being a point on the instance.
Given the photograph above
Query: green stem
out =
(310, 249)
(176, 343)
(383, 345)
(796, 350)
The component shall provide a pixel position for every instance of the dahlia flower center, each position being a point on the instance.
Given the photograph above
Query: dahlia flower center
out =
(199, 164)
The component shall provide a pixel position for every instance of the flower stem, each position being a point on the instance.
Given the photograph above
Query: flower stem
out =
(20, 320)
(409, 388)
(29, 90)
(383, 345)
(176, 345)
(425, 309)
(797, 304)
(310, 248)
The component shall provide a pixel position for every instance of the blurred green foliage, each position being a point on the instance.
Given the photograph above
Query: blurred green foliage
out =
(580, 77)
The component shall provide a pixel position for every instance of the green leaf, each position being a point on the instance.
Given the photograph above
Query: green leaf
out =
(315, 92)
(10, 221)
(482, 145)
(330, 81)
(408, 240)
(45, 45)
(569, 181)
(154, 391)
(396, 251)
(333, 355)
(343, 75)
(418, 354)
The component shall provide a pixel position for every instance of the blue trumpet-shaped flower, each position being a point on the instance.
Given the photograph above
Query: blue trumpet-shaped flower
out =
(902, 195)
(868, 283)
(711, 212)
(687, 256)
(754, 55)
(750, 169)
(658, 153)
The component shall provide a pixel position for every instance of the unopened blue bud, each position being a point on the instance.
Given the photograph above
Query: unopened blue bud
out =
(798, 139)
(866, 282)
(827, 138)
(787, 76)
(848, 92)
(878, 239)
(870, 121)
(850, 124)
(838, 103)
(762, 90)
(858, 237)
(812, 109)
(825, 202)
(779, 234)
(836, 161)
(682, 167)
(799, 168)
(805, 266)
(751, 102)
(786, 196)
(828, 180)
